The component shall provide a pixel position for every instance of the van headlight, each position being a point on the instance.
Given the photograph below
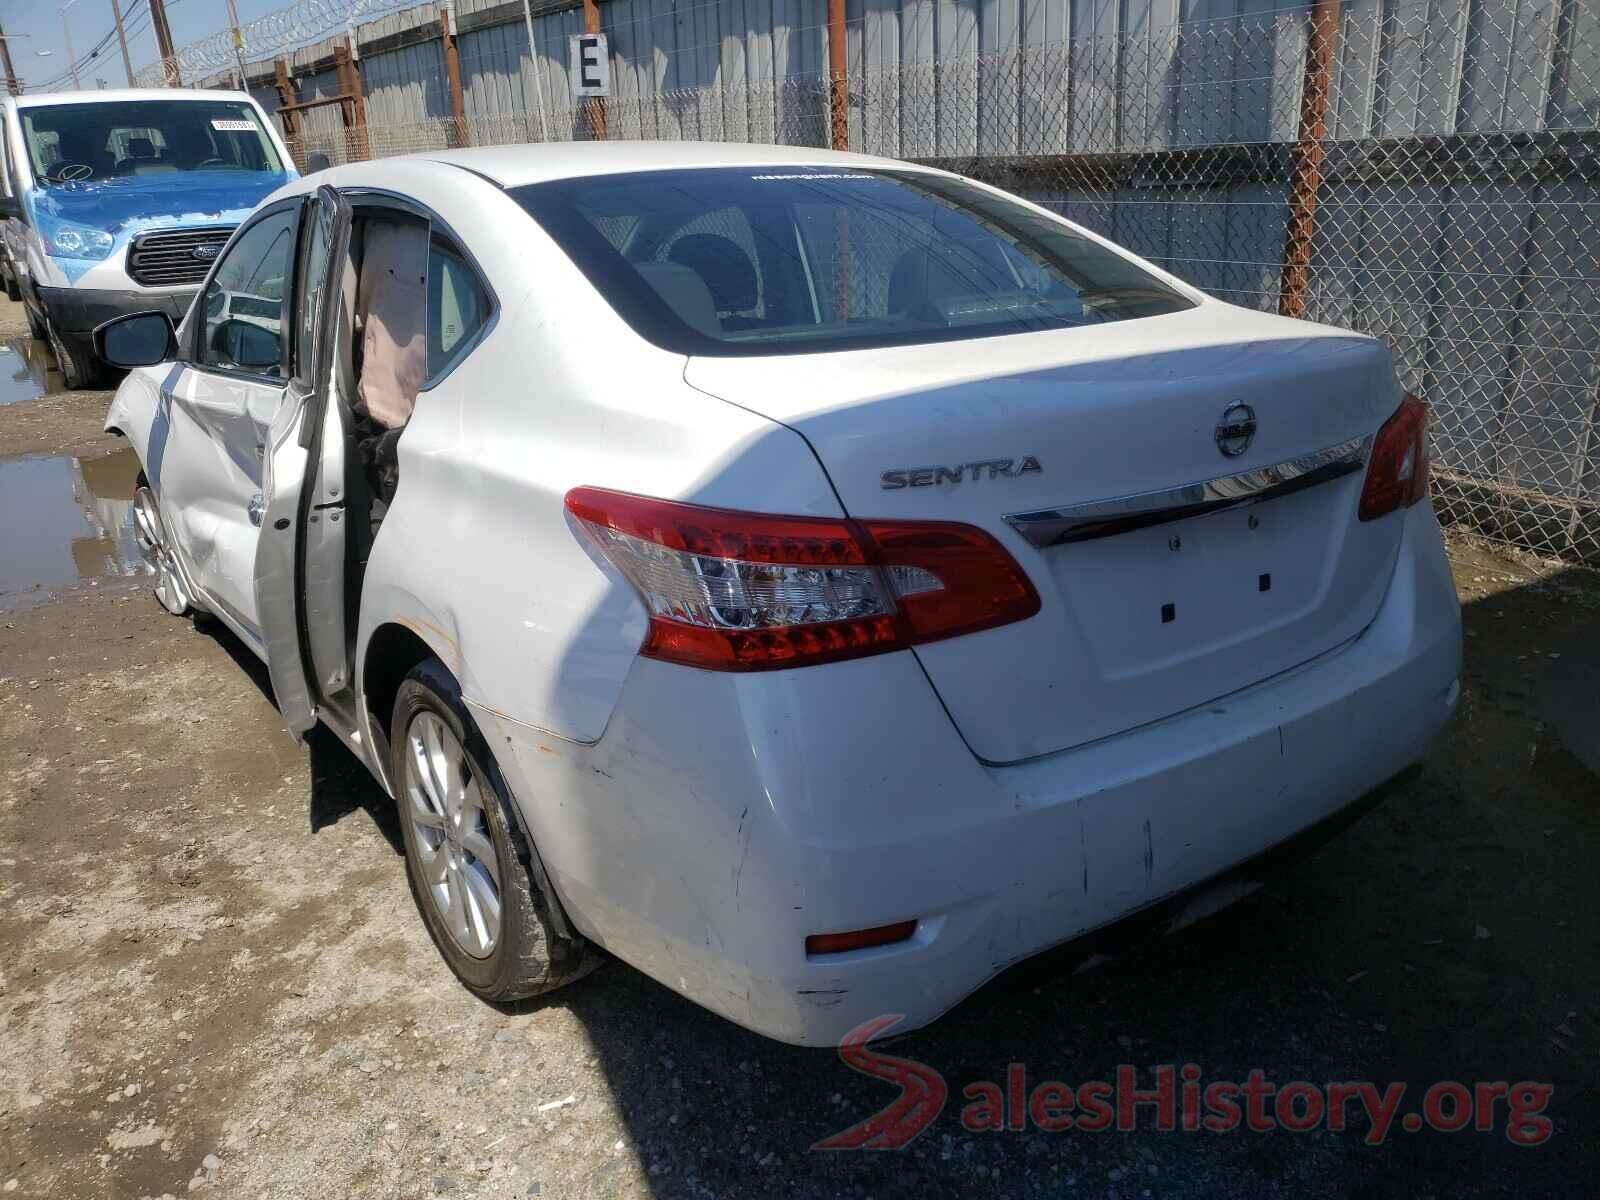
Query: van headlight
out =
(66, 240)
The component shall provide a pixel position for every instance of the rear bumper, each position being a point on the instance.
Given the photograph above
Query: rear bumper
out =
(723, 818)
(77, 311)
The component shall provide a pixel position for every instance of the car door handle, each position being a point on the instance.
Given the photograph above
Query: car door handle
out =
(256, 508)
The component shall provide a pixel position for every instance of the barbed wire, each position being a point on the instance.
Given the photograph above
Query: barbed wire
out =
(286, 30)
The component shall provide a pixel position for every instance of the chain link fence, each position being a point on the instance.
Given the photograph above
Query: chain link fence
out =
(1427, 172)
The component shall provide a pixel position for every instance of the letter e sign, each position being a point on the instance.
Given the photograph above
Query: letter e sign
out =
(591, 66)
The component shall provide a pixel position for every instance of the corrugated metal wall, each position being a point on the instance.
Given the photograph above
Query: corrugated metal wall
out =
(946, 78)
(1472, 252)
(667, 61)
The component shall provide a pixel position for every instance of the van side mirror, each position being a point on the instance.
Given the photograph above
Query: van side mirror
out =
(10, 207)
(137, 340)
(317, 162)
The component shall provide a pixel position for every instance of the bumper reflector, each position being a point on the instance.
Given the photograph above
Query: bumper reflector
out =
(860, 939)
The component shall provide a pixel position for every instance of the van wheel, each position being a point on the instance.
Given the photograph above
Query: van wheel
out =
(36, 327)
(79, 368)
(13, 292)
(469, 865)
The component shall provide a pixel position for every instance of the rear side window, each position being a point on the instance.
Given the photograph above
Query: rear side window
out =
(457, 307)
(782, 260)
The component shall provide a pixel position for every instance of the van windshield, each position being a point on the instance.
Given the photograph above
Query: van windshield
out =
(785, 260)
(93, 143)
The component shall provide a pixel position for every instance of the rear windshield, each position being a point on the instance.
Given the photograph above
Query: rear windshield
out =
(91, 143)
(783, 260)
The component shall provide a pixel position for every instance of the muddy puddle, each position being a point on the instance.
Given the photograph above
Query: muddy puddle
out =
(27, 371)
(67, 521)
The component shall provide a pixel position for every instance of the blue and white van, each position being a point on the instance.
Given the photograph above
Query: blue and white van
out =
(119, 201)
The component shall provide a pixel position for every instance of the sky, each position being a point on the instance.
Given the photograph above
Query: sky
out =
(90, 20)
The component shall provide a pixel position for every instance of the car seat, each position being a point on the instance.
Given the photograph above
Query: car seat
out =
(75, 146)
(685, 293)
(142, 159)
(727, 272)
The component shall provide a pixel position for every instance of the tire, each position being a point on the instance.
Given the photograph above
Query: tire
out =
(13, 292)
(79, 368)
(36, 326)
(466, 852)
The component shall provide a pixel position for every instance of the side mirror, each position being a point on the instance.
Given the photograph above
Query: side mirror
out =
(138, 340)
(317, 162)
(246, 344)
(10, 207)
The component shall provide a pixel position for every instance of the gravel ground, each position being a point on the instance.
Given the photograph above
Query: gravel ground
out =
(212, 978)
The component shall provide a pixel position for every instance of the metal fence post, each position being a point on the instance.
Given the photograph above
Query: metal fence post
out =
(596, 104)
(838, 79)
(1307, 178)
(452, 70)
(355, 105)
(286, 97)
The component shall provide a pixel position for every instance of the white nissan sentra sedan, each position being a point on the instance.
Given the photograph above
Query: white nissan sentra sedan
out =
(817, 580)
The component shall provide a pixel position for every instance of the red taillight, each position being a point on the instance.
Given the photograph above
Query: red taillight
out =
(1397, 475)
(737, 591)
(860, 939)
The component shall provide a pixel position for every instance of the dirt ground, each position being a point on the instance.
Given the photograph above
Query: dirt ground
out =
(212, 978)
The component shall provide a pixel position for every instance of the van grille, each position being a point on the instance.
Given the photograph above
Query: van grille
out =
(176, 256)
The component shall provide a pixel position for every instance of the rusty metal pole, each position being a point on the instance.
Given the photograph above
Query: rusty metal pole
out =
(838, 79)
(286, 96)
(452, 70)
(596, 104)
(348, 69)
(1306, 180)
(358, 97)
(839, 139)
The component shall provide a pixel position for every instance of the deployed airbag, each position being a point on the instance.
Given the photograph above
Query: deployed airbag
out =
(392, 310)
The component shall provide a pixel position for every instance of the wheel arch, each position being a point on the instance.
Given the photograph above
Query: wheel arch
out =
(134, 414)
(392, 650)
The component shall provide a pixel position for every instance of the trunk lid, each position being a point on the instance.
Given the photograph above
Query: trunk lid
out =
(1147, 621)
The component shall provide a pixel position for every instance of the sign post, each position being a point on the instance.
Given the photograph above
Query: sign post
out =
(591, 77)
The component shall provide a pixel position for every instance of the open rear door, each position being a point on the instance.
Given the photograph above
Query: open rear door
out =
(299, 572)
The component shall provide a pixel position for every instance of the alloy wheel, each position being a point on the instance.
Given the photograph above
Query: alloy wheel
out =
(151, 537)
(445, 805)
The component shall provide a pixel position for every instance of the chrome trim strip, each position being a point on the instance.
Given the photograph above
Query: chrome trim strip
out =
(1104, 518)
